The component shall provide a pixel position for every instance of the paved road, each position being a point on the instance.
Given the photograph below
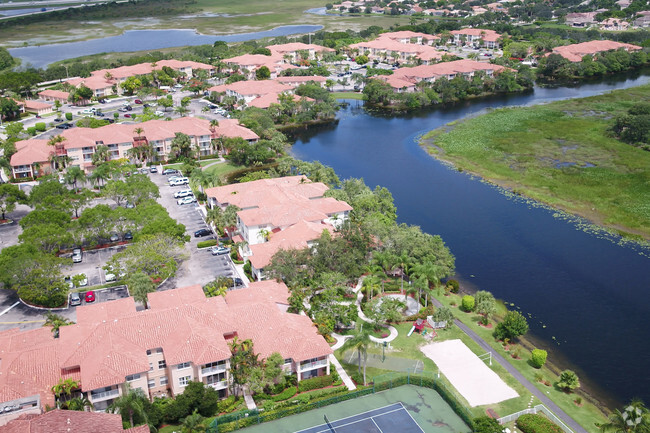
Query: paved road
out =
(570, 422)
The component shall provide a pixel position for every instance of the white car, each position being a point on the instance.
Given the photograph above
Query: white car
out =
(159, 113)
(76, 255)
(218, 251)
(185, 200)
(183, 193)
(180, 181)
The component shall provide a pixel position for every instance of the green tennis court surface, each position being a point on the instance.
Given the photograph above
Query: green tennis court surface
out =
(428, 412)
(388, 419)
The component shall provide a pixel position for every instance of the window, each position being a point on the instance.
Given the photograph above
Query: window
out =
(132, 377)
(161, 364)
(151, 366)
(163, 380)
(183, 381)
(183, 365)
(148, 352)
(287, 361)
(152, 383)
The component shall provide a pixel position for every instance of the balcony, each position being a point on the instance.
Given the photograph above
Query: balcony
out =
(22, 169)
(104, 395)
(213, 370)
(222, 384)
(312, 365)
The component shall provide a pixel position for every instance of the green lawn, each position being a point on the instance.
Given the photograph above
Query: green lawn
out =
(586, 415)
(223, 168)
(348, 95)
(520, 149)
(202, 162)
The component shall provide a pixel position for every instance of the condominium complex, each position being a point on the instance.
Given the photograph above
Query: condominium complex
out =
(182, 337)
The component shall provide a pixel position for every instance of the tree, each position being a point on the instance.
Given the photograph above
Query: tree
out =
(263, 73)
(538, 358)
(56, 321)
(513, 326)
(243, 361)
(73, 175)
(485, 305)
(568, 381)
(8, 109)
(194, 423)
(385, 309)
(131, 405)
(157, 256)
(635, 418)
(360, 342)
(181, 145)
(166, 102)
(443, 314)
(140, 285)
(79, 404)
(64, 388)
(10, 195)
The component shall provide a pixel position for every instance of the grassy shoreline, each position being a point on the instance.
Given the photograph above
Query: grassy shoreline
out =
(559, 154)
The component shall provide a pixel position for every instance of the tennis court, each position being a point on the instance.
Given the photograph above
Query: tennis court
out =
(388, 419)
(426, 407)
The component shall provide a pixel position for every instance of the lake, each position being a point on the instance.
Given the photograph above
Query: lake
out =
(142, 40)
(582, 292)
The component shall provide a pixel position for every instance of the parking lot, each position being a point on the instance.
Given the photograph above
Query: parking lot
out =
(201, 267)
(91, 265)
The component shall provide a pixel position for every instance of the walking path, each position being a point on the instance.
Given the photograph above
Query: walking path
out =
(362, 316)
(342, 373)
(570, 422)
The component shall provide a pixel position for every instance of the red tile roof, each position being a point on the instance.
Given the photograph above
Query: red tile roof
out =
(407, 77)
(31, 151)
(297, 46)
(56, 94)
(485, 34)
(110, 339)
(576, 52)
(69, 421)
(253, 88)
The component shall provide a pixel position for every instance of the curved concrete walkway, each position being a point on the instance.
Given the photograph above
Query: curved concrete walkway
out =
(362, 316)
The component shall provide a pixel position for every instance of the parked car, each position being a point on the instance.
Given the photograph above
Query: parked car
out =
(99, 114)
(183, 193)
(202, 232)
(127, 115)
(185, 200)
(219, 251)
(77, 255)
(90, 296)
(129, 205)
(153, 169)
(137, 101)
(238, 282)
(114, 237)
(125, 103)
(110, 274)
(83, 281)
(122, 110)
(102, 101)
(63, 126)
(159, 113)
(170, 171)
(58, 120)
(128, 236)
(128, 108)
(179, 181)
(75, 299)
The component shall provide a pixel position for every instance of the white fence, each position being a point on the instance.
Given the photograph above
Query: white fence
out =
(538, 408)
(436, 325)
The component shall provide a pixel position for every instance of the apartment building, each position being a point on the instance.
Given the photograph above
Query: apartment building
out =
(401, 47)
(575, 52)
(80, 144)
(247, 64)
(69, 421)
(182, 337)
(489, 38)
(405, 79)
(295, 51)
(105, 82)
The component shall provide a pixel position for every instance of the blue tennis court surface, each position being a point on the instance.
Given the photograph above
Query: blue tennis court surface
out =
(388, 419)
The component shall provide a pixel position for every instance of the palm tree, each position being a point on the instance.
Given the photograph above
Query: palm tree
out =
(194, 423)
(360, 342)
(65, 387)
(182, 111)
(79, 404)
(129, 405)
(428, 274)
(140, 285)
(635, 418)
(402, 262)
(371, 283)
(56, 321)
(73, 175)
(100, 174)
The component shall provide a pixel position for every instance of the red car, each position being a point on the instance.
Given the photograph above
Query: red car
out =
(138, 101)
(127, 115)
(90, 296)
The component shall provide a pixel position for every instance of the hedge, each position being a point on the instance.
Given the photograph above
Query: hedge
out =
(68, 116)
(284, 395)
(40, 126)
(531, 423)
(206, 244)
(315, 383)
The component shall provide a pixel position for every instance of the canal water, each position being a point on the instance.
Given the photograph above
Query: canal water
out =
(142, 40)
(585, 295)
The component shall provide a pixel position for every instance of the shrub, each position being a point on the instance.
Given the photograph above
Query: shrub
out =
(31, 131)
(315, 383)
(568, 381)
(422, 314)
(336, 379)
(467, 304)
(54, 296)
(538, 358)
(531, 423)
(485, 424)
(68, 116)
(227, 404)
(453, 286)
(206, 244)
(513, 325)
(284, 395)
(40, 126)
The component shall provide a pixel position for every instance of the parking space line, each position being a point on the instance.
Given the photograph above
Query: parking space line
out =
(7, 309)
